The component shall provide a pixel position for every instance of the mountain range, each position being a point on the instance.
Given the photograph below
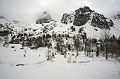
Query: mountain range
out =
(82, 20)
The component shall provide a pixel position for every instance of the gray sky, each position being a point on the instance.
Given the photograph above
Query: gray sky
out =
(29, 10)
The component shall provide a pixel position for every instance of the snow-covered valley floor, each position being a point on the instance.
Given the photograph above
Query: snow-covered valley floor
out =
(13, 65)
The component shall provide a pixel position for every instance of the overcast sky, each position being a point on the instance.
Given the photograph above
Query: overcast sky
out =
(29, 10)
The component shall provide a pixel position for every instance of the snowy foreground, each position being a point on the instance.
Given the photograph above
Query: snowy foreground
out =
(13, 65)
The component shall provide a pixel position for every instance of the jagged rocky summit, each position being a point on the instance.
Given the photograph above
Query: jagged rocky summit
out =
(84, 14)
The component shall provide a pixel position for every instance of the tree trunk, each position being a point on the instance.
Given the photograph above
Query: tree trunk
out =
(106, 52)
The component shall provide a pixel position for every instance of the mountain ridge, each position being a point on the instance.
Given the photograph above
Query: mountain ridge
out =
(93, 25)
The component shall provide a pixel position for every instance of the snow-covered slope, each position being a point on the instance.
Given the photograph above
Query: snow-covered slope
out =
(116, 20)
(13, 65)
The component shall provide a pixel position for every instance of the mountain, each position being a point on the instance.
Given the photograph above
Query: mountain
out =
(90, 21)
(44, 18)
(83, 22)
(80, 30)
(84, 14)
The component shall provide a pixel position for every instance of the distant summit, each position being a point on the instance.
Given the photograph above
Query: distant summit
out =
(45, 18)
(116, 16)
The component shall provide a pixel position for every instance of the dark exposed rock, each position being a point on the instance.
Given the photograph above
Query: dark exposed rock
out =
(81, 19)
(5, 30)
(20, 64)
(82, 15)
(67, 18)
(12, 46)
(4, 33)
(98, 20)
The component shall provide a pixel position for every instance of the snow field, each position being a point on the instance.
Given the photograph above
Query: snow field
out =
(13, 65)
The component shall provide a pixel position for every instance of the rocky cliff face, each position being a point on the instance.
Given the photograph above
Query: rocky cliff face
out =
(67, 18)
(98, 20)
(84, 14)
